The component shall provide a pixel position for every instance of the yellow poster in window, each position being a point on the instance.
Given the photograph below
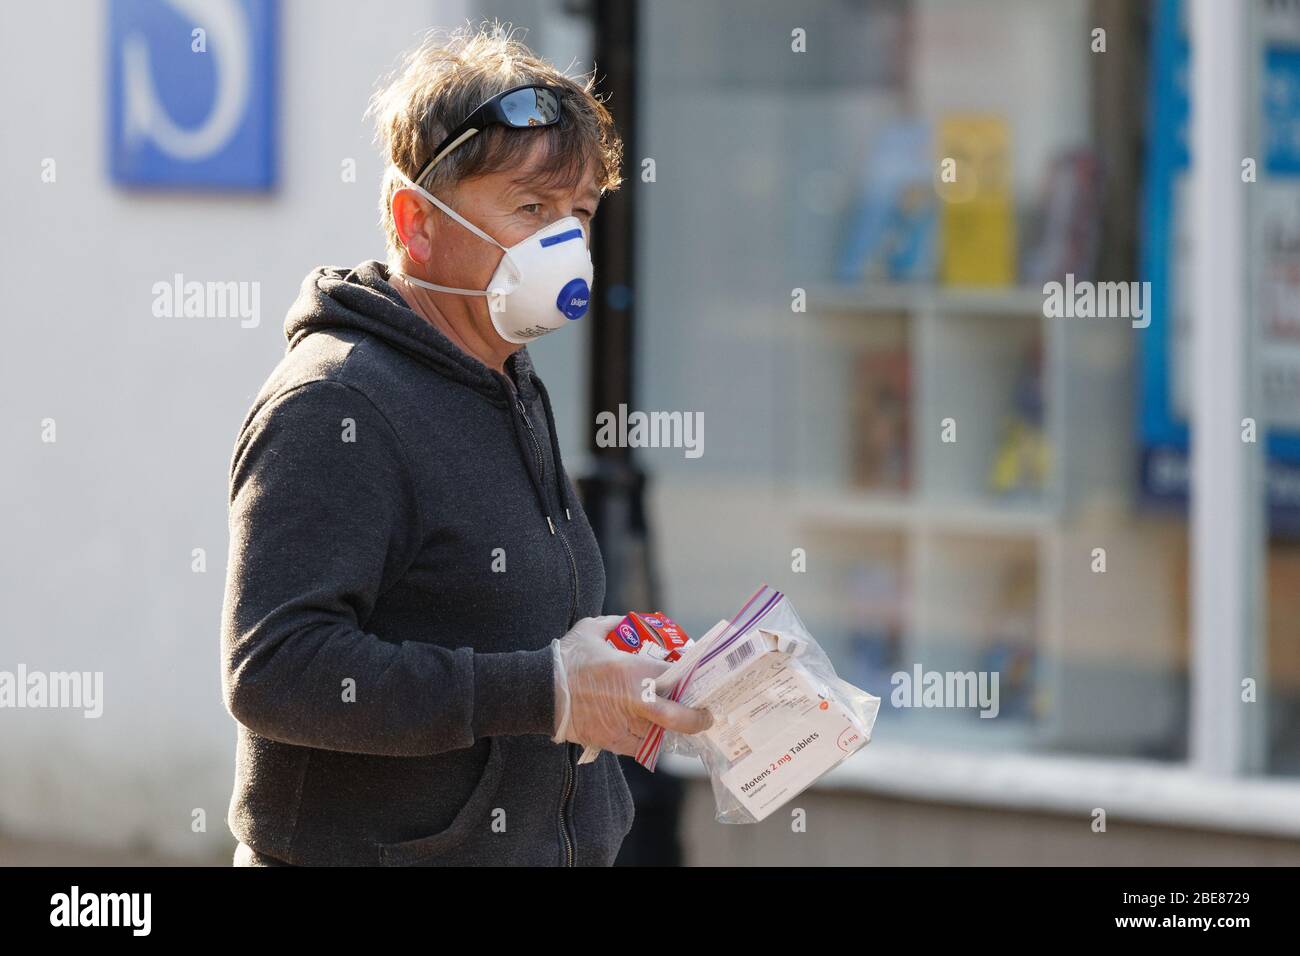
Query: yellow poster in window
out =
(977, 233)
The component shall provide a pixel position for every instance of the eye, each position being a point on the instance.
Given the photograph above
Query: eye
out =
(583, 213)
(532, 208)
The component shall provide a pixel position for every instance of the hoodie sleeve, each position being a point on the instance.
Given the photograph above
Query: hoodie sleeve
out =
(323, 516)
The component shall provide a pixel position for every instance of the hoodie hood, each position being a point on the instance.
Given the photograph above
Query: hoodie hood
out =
(361, 299)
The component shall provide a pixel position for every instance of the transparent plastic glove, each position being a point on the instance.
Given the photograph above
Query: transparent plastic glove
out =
(601, 696)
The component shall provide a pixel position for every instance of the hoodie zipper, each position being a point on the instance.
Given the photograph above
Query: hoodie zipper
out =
(569, 769)
(564, 806)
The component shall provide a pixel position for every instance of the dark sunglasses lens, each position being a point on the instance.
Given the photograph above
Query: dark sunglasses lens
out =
(532, 107)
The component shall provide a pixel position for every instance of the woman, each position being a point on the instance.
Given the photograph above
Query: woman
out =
(410, 638)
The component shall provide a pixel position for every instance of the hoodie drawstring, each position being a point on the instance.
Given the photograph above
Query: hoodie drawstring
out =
(561, 486)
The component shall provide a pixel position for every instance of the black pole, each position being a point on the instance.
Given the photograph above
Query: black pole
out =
(615, 264)
(614, 494)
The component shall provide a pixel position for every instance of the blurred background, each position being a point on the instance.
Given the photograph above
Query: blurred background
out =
(787, 259)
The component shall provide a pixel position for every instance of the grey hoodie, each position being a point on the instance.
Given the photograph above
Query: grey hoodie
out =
(404, 545)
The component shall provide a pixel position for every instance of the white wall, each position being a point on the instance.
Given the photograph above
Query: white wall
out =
(98, 528)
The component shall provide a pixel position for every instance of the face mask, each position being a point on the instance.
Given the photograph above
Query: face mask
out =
(541, 283)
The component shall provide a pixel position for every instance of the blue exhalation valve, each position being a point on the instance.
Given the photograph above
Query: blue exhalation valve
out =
(574, 298)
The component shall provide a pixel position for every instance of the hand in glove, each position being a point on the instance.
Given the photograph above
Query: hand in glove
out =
(601, 693)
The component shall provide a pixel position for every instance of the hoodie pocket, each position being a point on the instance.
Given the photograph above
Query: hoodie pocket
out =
(471, 816)
(624, 792)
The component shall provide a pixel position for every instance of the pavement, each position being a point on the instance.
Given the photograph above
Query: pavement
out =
(18, 851)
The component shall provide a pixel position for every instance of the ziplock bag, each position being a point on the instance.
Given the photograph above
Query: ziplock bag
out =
(782, 717)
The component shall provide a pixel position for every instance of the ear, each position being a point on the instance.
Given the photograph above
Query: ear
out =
(413, 219)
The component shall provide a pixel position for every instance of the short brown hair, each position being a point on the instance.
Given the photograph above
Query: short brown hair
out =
(446, 77)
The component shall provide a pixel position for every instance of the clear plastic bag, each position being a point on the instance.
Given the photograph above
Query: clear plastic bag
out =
(782, 716)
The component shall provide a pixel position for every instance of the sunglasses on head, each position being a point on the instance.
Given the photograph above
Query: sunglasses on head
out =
(522, 107)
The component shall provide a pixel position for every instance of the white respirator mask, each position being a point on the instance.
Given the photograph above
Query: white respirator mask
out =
(541, 283)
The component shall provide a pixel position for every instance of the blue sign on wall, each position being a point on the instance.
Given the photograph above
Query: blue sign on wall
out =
(192, 93)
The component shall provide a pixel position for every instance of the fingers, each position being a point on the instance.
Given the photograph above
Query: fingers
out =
(627, 746)
(624, 740)
(676, 717)
(640, 668)
(635, 737)
(626, 736)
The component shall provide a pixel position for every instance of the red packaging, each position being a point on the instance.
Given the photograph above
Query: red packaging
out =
(652, 632)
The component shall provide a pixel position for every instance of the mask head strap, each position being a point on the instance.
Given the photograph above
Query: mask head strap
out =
(447, 209)
(492, 294)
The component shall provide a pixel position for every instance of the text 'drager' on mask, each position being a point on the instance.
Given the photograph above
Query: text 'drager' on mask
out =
(541, 283)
